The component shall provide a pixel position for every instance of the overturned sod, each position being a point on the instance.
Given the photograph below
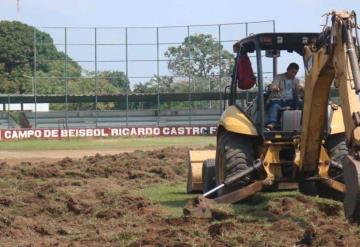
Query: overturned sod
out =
(137, 199)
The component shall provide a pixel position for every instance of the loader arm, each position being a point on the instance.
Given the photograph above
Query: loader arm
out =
(329, 62)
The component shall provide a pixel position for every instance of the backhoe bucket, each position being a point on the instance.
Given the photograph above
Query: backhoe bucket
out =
(196, 159)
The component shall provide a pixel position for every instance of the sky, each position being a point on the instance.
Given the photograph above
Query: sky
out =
(294, 15)
(289, 16)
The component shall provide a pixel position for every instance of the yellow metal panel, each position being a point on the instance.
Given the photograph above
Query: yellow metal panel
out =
(336, 122)
(235, 121)
(271, 159)
(335, 185)
(317, 86)
(197, 156)
(196, 159)
(349, 100)
(324, 163)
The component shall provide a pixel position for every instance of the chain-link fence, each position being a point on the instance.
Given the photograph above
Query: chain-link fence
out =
(172, 64)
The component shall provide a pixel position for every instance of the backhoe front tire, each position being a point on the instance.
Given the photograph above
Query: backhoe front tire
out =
(337, 150)
(336, 147)
(208, 175)
(235, 153)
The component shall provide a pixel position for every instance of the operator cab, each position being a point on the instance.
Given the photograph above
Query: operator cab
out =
(270, 45)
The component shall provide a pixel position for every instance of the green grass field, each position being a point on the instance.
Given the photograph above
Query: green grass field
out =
(173, 197)
(110, 143)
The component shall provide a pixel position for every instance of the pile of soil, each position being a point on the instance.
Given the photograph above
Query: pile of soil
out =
(91, 202)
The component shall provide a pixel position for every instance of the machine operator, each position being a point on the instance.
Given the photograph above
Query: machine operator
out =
(285, 91)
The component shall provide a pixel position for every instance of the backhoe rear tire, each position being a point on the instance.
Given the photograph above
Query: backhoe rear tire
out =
(235, 153)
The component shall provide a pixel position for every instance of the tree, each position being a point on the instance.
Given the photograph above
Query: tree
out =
(204, 61)
(199, 55)
(163, 84)
(17, 57)
(116, 79)
(17, 67)
(108, 83)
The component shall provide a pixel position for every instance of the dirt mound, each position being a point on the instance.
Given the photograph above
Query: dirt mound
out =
(88, 201)
(93, 202)
(281, 221)
(138, 168)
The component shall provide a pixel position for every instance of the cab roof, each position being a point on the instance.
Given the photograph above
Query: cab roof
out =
(276, 41)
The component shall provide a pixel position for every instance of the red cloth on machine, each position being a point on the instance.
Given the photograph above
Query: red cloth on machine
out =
(245, 74)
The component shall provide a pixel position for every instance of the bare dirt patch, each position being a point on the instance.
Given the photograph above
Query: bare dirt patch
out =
(90, 201)
(15, 157)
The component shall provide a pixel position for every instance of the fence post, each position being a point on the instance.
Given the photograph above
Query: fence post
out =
(158, 75)
(96, 79)
(66, 82)
(127, 75)
(34, 75)
(35, 98)
(189, 75)
(220, 62)
(8, 111)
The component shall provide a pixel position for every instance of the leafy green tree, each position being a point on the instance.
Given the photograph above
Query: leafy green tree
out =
(199, 55)
(17, 64)
(16, 45)
(17, 67)
(202, 59)
(162, 84)
(117, 79)
(17, 57)
(86, 86)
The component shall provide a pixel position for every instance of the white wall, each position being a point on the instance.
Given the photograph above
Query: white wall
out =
(40, 107)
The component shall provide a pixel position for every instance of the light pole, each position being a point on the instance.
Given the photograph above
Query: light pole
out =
(33, 83)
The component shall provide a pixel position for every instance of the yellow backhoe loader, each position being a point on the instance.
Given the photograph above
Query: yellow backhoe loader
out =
(318, 152)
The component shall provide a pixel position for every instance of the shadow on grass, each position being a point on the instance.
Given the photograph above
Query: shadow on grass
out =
(252, 209)
(181, 198)
(182, 193)
(255, 208)
(174, 204)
